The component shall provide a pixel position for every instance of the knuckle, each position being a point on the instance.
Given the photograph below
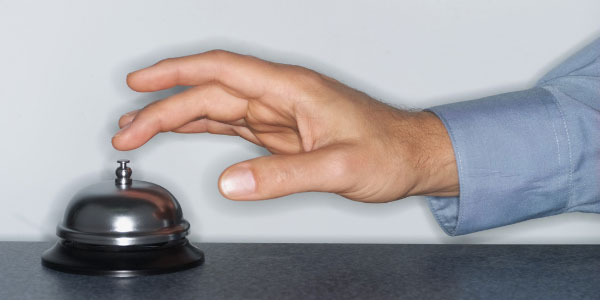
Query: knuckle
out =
(165, 61)
(151, 106)
(306, 75)
(269, 176)
(305, 80)
(282, 176)
(218, 53)
(153, 116)
(219, 58)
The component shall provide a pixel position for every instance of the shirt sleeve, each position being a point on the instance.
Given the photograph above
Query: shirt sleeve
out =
(526, 154)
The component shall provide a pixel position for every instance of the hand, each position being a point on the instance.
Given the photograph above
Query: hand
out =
(324, 136)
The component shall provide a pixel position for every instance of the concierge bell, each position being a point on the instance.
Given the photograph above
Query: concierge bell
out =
(123, 228)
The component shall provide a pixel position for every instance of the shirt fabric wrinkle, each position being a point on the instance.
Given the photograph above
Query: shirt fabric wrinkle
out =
(526, 154)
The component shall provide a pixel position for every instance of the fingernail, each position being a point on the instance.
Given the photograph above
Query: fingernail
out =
(122, 130)
(237, 182)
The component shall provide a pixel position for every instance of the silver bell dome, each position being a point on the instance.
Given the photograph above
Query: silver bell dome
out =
(123, 212)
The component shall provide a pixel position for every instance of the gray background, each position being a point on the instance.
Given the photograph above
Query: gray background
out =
(63, 67)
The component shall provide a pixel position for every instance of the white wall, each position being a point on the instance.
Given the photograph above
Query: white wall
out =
(62, 89)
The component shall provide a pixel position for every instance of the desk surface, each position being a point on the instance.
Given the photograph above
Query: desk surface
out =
(327, 271)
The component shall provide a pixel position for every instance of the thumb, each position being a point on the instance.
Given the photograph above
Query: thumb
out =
(322, 170)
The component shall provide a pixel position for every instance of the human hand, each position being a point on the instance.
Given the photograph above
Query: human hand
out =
(324, 136)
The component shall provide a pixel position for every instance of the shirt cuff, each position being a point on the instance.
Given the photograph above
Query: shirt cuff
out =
(513, 162)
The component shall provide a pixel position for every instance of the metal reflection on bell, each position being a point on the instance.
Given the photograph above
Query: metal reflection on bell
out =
(123, 228)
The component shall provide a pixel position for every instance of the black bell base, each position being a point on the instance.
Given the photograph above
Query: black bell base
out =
(122, 261)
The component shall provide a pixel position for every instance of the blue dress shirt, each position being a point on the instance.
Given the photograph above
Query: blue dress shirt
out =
(526, 154)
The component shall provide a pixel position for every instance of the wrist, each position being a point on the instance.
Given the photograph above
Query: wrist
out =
(433, 157)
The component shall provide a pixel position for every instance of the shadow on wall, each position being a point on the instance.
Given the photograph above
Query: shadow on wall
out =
(572, 50)
(258, 209)
(394, 98)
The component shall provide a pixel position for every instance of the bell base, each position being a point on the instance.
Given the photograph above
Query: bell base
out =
(122, 261)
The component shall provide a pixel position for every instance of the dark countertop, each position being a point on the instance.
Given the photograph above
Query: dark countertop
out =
(328, 271)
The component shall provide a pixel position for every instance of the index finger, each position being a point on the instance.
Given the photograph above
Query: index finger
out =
(243, 74)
